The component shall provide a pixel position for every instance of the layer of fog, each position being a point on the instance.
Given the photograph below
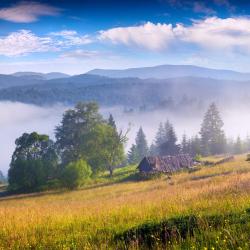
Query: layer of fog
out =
(17, 118)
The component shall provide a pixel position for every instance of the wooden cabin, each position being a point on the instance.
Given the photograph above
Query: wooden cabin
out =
(165, 164)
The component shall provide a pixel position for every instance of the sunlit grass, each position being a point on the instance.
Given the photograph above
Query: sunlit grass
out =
(90, 218)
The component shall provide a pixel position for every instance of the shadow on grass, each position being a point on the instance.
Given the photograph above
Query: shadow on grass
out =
(166, 232)
(5, 195)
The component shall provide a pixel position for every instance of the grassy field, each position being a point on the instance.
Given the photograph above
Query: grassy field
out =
(205, 209)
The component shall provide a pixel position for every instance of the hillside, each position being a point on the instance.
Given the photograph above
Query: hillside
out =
(204, 209)
(172, 71)
(131, 92)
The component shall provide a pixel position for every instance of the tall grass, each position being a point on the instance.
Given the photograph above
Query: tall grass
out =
(91, 218)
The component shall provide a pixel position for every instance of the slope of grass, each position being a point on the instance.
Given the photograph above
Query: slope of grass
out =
(107, 213)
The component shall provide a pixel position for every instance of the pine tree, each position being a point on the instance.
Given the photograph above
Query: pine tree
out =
(111, 121)
(238, 146)
(133, 155)
(184, 144)
(160, 138)
(141, 144)
(248, 143)
(169, 145)
(212, 136)
(152, 150)
(195, 146)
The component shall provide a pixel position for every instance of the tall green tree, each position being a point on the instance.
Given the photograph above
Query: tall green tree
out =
(238, 146)
(213, 139)
(169, 145)
(75, 130)
(184, 144)
(84, 134)
(141, 144)
(133, 157)
(113, 147)
(194, 145)
(152, 150)
(160, 138)
(34, 161)
(111, 122)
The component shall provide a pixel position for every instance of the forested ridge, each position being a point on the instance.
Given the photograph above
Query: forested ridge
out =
(128, 92)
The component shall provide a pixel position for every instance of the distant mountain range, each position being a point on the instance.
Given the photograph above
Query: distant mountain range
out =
(172, 71)
(41, 76)
(28, 78)
(144, 94)
(166, 86)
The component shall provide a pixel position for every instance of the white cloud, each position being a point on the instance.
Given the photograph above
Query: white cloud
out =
(71, 37)
(26, 12)
(23, 42)
(211, 33)
(150, 36)
(217, 33)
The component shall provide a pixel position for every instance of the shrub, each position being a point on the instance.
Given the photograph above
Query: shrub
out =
(75, 174)
(151, 175)
(197, 157)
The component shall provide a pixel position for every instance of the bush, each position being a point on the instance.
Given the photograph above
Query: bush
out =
(75, 174)
(51, 184)
(151, 175)
(197, 158)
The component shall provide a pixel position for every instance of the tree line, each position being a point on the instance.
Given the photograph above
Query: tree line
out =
(211, 140)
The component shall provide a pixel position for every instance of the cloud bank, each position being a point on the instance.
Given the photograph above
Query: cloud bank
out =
(211, 33)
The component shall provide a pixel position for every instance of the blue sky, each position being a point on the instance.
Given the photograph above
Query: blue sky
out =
(76, 36)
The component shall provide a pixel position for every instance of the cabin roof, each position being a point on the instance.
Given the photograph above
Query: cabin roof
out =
(165, 164)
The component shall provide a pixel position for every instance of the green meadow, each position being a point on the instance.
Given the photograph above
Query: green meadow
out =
(208, 208)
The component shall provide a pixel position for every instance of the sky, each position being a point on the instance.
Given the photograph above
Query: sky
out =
(76, 36)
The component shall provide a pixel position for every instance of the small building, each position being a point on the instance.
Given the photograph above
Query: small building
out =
(165, 164)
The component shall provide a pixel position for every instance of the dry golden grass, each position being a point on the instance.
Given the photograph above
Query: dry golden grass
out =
(89, 218)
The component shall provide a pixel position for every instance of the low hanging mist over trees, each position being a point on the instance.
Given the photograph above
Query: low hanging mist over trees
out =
(211, 140)
(87, 144)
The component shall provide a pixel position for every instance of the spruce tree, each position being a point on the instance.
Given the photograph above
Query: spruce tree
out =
(238, 146)
(160, 138)
(169, 146)
(152, 150)
(133, 155)
(212, 135)
(141, 144)
(195, 146)
(184, 144)
(111, 121)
